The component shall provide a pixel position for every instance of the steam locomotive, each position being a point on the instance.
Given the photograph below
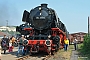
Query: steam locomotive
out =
(43, 29)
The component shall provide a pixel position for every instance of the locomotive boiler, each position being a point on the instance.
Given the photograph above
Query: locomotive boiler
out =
(43, 29)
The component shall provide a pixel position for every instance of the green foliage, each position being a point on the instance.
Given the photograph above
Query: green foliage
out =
(3, 31)
(13, 33)
(85, 49)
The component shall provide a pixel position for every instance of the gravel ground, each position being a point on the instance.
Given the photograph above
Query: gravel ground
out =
(9, 56)
(60, 55)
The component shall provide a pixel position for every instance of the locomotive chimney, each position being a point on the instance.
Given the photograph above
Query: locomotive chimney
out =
(44, 5)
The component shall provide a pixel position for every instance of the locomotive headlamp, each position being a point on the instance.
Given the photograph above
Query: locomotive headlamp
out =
(27, 35)
(40, 13)
(40, 8)
(50, 12)
(49, 36)
(23, 25)
(48, 42)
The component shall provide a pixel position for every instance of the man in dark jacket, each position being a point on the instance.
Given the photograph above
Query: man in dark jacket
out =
(5, 43)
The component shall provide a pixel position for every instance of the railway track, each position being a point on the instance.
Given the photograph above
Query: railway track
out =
(31, 58)
(36, 56)
(39, 56)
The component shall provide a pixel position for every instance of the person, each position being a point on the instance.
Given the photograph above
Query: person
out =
(21, 47)
(10, 46)
(25, 43)
(13, 41)
(5, 43)
(75, 44)
(66, 44)
(0, 50)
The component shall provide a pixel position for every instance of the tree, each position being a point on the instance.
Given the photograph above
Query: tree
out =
(86, 45)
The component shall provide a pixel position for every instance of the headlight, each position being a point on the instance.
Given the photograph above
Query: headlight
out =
(48, 42)
(27, 35)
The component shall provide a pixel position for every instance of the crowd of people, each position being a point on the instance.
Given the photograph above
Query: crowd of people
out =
(9, 43)
(22, 46)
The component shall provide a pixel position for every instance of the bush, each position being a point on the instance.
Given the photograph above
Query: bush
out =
(85, 49)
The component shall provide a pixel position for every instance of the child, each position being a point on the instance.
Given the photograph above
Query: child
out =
(10, 46)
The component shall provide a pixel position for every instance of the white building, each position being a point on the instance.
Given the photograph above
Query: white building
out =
(7, 28)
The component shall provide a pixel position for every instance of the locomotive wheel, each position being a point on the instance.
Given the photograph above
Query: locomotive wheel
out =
(30, 53)
(57, 47)
(57, 42)
(56, 39)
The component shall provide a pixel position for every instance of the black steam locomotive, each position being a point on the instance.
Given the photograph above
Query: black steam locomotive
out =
(40, 23)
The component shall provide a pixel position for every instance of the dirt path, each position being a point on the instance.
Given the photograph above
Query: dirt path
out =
(12, 56)
(9, 56)
(60, 55)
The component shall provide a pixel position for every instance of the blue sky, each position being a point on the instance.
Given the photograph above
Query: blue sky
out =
(73, 13)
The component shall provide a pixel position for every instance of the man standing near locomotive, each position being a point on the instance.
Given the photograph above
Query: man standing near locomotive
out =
(66, 44)
(21, 47)
(5, 43)
(75, 44)
(25, 43)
